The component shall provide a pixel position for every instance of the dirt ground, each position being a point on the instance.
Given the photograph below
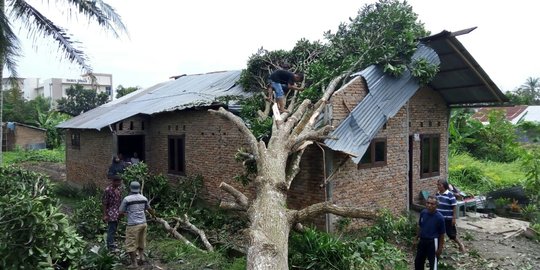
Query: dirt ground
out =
(490, 242)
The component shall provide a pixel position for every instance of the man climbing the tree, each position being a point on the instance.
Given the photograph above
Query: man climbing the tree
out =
(281, 81)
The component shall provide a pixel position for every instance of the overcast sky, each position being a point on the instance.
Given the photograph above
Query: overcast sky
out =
(169, 38)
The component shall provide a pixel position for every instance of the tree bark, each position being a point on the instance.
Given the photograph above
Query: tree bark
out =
(277, 165)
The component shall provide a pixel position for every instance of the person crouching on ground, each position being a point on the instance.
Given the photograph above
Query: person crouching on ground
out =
(134, 206)
(281, 81)
(429, 235)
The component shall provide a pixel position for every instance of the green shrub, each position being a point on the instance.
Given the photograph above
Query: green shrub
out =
(318, 250)
(87, 217)
(99, 258)
(181, 256)
(387, 227)
(33, 231)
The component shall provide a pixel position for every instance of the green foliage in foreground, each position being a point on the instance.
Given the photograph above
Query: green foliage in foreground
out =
(475, 176)
(180, 256)
(57, 155)
(33, 231)
(318, 250)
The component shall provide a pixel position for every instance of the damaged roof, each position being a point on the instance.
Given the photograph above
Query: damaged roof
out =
(460, 81)
(387, 94)
(184, 92)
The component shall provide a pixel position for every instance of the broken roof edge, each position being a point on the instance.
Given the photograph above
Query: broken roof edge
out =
(463, 53)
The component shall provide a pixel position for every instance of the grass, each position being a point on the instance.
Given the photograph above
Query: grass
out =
(180, 256)
(493, 175)
(13, 157)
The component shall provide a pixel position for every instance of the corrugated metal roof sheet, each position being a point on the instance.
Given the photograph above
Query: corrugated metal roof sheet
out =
(461, 80)
(387, 94)
(185, 92)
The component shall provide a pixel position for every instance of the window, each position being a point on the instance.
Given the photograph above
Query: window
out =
(108, 90)
(430, 146)
(177, 154)
(375, 154)
(75, 140)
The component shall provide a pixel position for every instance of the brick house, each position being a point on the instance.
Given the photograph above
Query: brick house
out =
(392, 134)
(18, 135)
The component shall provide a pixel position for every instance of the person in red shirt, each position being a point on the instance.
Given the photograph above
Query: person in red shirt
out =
(112, 197)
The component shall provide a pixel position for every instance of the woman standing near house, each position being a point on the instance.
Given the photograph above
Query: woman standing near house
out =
(117, 167)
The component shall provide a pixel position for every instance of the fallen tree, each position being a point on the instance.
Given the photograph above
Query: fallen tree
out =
(385, 33)
(278, 163)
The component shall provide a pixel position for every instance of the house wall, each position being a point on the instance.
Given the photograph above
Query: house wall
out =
(29, 138)
(211, 143)
(89, 162)
(376, 187)
(424, 107)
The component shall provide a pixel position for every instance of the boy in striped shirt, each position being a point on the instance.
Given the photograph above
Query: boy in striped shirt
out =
(448, 208)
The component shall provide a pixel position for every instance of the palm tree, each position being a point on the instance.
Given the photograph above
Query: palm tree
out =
(531, 90)
(37, 24)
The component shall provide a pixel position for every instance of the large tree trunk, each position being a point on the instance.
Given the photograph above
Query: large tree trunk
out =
(269, 229)
(277, 166)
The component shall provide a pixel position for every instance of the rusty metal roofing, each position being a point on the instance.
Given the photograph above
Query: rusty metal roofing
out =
(461, 80)
(185, 92)
(387, 94)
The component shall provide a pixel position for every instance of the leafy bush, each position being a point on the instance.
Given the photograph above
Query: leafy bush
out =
(87, 218)
(531, 165)
(99, 258)
(186, 257)
(387, 227)
(33, 231)
(318, 250)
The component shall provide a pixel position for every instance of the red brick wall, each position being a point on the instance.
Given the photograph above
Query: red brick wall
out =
(307, 188)
(424, 107)
(89, 162)
(210, 144)
(25, 136)
(376, 187)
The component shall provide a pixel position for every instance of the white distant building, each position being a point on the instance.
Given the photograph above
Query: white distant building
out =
(55, 88)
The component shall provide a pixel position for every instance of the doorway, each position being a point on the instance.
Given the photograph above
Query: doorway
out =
(129, 144)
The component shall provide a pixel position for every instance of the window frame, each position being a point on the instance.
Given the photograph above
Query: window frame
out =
(179, 169)
(75, 138)
(372, 151)
(431, 172)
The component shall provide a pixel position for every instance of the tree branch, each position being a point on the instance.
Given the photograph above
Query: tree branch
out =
(173, 231)
(231, 206)
(328, 207)
(239, 197)
(242, 126)
(196, 230)
(314, 135)
(319, 106)
(294, 167)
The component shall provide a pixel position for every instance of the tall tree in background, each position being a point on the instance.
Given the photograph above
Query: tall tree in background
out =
(531, 90)
(35, 24)
(80, 100)
(385, 33)
(122, 91)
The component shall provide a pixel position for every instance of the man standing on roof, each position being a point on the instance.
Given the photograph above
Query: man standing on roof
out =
(281, 81)
(448, 208)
